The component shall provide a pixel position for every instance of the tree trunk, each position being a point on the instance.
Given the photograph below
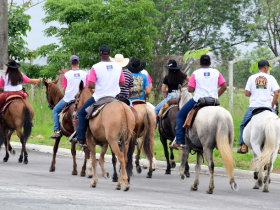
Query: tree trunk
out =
(3, 35)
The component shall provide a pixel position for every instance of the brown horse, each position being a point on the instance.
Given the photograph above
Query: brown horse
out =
(18, 115)
(167, 131)
(54, 95)
(105, 129)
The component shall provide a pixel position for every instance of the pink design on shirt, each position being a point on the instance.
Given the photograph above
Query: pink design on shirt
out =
(122, 79)
(149, 78)
(87, 80)
(191, 82)
(25, 79)
(221, 79)
(2, 83)
(64, 82)
(92, 75)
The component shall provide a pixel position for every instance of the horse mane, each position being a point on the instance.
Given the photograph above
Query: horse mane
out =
(55, 92)
(185, 97)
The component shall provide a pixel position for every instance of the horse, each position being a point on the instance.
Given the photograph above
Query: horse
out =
(212, 127)
(167, 131)
(106, 130)
(54, 95)
(262, 135)
(18, 115)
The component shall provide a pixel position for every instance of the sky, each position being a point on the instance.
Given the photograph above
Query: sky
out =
(36, 38)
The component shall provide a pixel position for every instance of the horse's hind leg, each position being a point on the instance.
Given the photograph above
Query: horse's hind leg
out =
(114, 162)
(184, 166)
(173, 163)
(166, 153)
(23, 148)
(73, 152)
(84, 167)
(104, 148)
(197, 170)
(138, 167)
(91, 146)
(258, 172)
(266, 188)
(55, 148)
(209, 158)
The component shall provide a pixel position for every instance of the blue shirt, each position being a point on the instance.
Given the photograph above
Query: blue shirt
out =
(139, 84)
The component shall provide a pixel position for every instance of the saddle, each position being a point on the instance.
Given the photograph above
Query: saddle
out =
(94, 109)
(257, 111)
(138, 102)
(9, 100)
(167, 106)
(63, 112)
(202, 102)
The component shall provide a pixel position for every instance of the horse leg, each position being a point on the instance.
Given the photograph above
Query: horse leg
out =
(197, 170)
(91, 146)
(84, 167)
(258, 172)
(23, 148)
(173, 163)
(209, 158)
(164, 143)
(55, 148)
(88, 162)
(11, 150)
(6, 143)
(73, 152)
(184, 155)
(267, 179)
(114, 162)
(105, 174)
(138, 167)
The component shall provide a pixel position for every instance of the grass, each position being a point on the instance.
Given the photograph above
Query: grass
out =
(43, 128)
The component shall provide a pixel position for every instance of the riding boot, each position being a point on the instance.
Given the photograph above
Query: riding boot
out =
(56, 134)
(243, 149)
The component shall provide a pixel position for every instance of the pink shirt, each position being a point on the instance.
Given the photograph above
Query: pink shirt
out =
(25, 79)
(92, 76)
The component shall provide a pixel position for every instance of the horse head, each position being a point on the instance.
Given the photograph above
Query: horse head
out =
(185, 96)
(53, 93)
(82, 96)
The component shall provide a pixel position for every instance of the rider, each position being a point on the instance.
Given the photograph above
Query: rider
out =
(12, 81)
(141, 87)
(174, 78)
(259, 87)
(127, 88)
(149, 78)
(70, 83)
(105, 77)
(204, 83)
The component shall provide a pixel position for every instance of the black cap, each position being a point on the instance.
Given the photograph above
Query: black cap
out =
(135, 65)
(205, 60)
(104, 50)
(172, 64)
(263, 62)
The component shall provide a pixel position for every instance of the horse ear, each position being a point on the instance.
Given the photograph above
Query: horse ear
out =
(81, 87)
(46, 84)
(56, 81)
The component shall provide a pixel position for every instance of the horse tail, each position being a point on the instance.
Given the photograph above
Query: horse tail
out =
(146, 136)
(130, 157)
(224, 140)
(270, 131)
(27, 123)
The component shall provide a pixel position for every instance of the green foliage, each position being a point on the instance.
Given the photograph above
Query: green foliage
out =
(254, 66)
(196, 53)
(18, 25)
(33, 71)
(127, 27)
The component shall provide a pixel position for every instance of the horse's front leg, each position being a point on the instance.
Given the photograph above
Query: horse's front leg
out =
(92, 146)
(6, 158)
(138, 167)
(172, 161)
(164, 143)
(7, 136)
(73, 152)
(184, 155)
(87, 156)
(104, 148)
(150, 173)
(209, 158)
(55, 148)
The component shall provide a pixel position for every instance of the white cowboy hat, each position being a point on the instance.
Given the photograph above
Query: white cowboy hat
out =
(120, 60)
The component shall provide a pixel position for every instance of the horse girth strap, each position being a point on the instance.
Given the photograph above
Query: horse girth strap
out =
(193, 147)
(161, 130)
(61, 124)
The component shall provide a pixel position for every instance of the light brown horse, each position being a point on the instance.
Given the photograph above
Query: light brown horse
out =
(54, 95)
(18, 115)
(114, 122)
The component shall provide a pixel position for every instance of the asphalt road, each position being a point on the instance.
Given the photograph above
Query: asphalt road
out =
(32, 186)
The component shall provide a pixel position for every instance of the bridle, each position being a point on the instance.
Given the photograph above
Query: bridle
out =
(78, 100)
(51, 106)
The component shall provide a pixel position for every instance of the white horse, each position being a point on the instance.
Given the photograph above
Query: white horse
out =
(213, 127)
(262, 135)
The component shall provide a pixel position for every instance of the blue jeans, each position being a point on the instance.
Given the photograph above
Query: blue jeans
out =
(57, 109)
(248, 115)
(82, 122)
(169, 96)
(181, 118)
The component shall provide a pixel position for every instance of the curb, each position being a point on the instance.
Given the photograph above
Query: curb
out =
(159, 164)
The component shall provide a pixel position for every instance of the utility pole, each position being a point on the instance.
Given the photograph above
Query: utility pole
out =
(3, 35)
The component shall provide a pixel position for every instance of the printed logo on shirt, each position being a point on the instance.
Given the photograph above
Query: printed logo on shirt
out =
(207, 74)
(261, 82)
(137, 90)
(109, 67)
(77, 75)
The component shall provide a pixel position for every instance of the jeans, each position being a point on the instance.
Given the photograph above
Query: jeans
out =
(57, 109)
(181, 118)
(248, 115)
(169, 96)
(82, 122)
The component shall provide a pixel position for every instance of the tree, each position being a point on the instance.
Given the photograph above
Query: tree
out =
(127, 27)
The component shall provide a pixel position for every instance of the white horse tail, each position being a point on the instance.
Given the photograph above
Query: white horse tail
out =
(270, 132)
(224, 140)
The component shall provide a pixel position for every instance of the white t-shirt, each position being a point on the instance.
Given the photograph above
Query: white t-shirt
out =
(206, 81)
(4, 82)
(106, 75)
(260, 86)
(71, 81)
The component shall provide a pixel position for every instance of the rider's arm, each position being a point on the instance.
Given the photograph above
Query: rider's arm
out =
(222, 89)
(192, 83)
(275, 98)
(91, 85)
(247, 93)
(122, 80)
(164, 88)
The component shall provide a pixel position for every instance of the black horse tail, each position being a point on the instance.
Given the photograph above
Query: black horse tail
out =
(2, 139)
(146, 137)
(27, 123)
(130, 157)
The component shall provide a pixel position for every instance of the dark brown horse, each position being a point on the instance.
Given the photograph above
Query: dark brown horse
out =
(54, 95)
(166, 127)
(18, 115)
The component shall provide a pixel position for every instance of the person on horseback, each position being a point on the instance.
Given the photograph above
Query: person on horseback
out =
(171, 81)
(149, 78)
(259, 87)
(105, 77)
(141, 86)
(204, 83)
(12, 80)
(70, 83)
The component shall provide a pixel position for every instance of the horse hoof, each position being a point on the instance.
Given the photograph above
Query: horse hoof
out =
(52, 169)
(256, 187)
(115, 180)
(74, 173)
(107, 176)
(25, 162)
(5, 160)
(20, 160)
(260, 183)
(118, 187)
(13, 152)
(126, 189)
(209, 191)
(89, 176)
(256, 175)
(173, 164)
(93, 185)
(154, 169)
(83, 174)
(234, 187)
(264, 180)
(149, 176)
(187, 174)
(145, 167)
(265, 188)
(168, 172)
(138, 169)
(183, 178)
(193, 188)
